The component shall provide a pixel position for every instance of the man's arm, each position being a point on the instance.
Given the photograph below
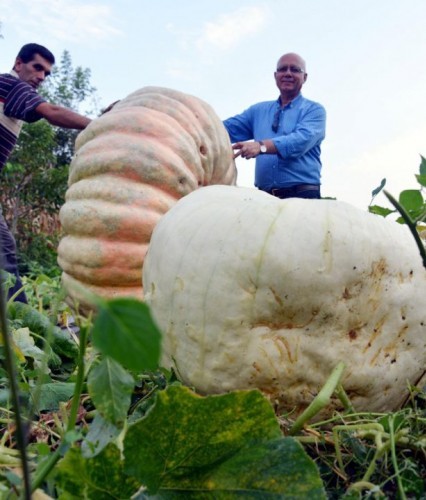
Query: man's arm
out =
(62, 117)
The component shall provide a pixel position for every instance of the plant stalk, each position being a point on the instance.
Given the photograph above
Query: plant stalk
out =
(394, 459)
(21, 428)
(411, 224)
(62, 448)
(320, 401)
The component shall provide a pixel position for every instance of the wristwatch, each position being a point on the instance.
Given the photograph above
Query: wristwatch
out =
(263, 148)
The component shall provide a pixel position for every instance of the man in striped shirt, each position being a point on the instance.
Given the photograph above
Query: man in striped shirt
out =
(20, 102)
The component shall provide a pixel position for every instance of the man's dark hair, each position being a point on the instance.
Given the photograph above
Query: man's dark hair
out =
(28, 51)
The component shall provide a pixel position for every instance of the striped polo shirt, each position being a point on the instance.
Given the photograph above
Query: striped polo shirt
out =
(18, 101)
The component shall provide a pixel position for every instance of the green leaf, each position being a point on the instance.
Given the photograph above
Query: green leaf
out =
(125, 331)
(100, 478)
(26, 345)
(52, 394)
(101, 433)
(422, 167)
(376, 209)
(110, 387)
(421, 179)
(411, 199)
(223, 446)
(61, 341)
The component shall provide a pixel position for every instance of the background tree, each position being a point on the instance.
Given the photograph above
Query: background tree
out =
(34, 180)
(69, 87)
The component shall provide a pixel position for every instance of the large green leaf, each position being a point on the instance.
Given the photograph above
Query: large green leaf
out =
(52, 394)
(411, 199)
(60, 340)
(99, 478)
(223, 446)
(110, 387)
(125, 331)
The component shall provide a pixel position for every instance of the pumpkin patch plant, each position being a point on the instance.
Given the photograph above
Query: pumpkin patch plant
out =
(251, 291)
(131, 166)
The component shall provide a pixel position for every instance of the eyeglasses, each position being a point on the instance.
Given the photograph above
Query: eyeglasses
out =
(276, 121)
(292, 69)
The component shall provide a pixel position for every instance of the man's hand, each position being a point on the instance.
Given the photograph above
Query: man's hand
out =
(247, 150)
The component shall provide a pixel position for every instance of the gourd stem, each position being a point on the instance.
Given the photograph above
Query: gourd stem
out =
(320, 401)
(341, 394)
(394, 459)
(362, 485)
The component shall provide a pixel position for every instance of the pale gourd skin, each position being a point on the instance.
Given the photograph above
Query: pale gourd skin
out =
(130, 167)
(254, 291)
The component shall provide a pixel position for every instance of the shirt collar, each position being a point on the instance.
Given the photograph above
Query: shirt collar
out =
(14, 73)
(291, 103)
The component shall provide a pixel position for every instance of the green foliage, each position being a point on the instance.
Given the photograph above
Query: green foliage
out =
(191, 447)
(32, 188)
(412, 201)
(69, 87)
(101, 477)
(372, 454)
(225, 445)
(60, 339)
(50, 395)
(411, 207)
(110, 387)
(125, 331)
(108, 423)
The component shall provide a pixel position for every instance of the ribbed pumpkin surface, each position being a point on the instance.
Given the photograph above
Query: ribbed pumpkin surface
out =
(131, 166)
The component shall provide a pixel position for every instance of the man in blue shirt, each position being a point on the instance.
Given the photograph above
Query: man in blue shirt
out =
(284, 135)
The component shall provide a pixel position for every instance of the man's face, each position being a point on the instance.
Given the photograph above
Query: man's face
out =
(290, 75)
(33, 72)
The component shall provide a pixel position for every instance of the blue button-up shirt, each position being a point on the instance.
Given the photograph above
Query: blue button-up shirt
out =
(301, 129)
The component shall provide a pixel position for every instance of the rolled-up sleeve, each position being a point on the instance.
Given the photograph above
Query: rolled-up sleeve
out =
(21, 103)
(240, 127)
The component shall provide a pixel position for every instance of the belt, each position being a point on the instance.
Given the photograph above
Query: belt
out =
(294, 189)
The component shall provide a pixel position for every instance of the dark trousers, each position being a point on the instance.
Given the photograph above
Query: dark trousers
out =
(308, 191)
(9, 259)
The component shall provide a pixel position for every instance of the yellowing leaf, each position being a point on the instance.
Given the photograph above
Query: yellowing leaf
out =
(227, 446)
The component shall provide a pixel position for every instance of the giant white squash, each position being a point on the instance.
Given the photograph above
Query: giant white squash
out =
(253, 291)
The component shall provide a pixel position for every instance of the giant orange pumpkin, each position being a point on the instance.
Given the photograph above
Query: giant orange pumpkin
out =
(131, 165)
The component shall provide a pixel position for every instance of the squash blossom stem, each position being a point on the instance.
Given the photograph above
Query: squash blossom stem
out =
(320, 401)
